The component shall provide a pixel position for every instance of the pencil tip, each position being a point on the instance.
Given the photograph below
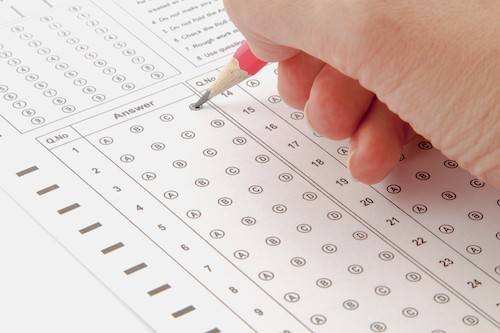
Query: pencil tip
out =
(203, 99)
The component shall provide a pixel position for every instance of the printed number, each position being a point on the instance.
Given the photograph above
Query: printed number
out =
(139, 207)
(249, 110)
(75, 150)
(446, 262)
(208, 268)
(117, 189)
(317, 163)
(271, 127)
(342, 182)
(185, 247)
(392, 221)
(259, 312)
(161, 227)
(96, 171)
(419, 241)
(227, 93)
(366, 202)
(233, 290)
(293, 144)
(474, 284)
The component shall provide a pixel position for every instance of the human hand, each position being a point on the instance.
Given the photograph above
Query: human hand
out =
(376, 71)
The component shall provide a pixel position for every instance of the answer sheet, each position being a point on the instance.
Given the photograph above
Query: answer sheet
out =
(236, 217)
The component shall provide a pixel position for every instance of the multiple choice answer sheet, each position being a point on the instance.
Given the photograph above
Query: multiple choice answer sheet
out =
(236, 217)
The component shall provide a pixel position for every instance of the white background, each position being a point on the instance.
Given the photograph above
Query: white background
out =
(43, 288)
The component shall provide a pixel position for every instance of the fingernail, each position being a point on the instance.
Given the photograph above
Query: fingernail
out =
(352, 151)
(305, 115)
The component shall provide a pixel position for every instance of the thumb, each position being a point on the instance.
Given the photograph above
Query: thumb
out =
(277, 29)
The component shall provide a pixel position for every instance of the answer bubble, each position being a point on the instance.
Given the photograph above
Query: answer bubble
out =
(128, 52)
(470, 320)
(101, 30)
(147, 67)
(329, 248)
(273, 241)
(37, 120)
(83, 16)
(61, 66)
(298, 262)
(10, 97)
(217, 234)
(413, 277)
(378, 327)
(41, 85)
(355, 269)
(98, 98)
(266, 275)
(92, 23)
(43, 51)
(382, 290)
(138, 60)
(63, 34)
(110, 38)
(14, 62)
(128, 86)
(324, 283)
(441, 298)
(292, 297)
(170, 195)
(19, 104)
(109, 70)
(386, 255)
(28, 112)
(26, 36)
(55, 26)
(248, 221)
(46, 19)
(127, 158)
(350, 304)
(202, 182)
(157, 75)
(59, 101)
(275, 99)
(279, 209)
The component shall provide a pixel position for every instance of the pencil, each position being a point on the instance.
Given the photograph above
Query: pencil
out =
(243, 65)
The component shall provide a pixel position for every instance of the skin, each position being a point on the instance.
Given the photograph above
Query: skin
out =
(378, 72)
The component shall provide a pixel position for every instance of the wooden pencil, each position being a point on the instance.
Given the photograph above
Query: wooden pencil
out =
(243, 65)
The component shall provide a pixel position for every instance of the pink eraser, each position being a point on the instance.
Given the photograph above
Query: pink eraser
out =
(247, 60)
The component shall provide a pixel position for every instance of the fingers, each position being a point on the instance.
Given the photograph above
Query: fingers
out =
(377, 144)
(295, 78)
(338, 108)
(336, 104)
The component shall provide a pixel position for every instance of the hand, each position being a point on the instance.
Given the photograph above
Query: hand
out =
(378, 71)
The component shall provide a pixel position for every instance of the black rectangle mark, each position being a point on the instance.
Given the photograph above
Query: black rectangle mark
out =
(90, 228)
(112, 248)
(25, 172)
(159, 289)
(17, 12)
(48, 3)
(135, 268)
(68, 209)
(184, 311)
(215, 330)
(48, 189)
